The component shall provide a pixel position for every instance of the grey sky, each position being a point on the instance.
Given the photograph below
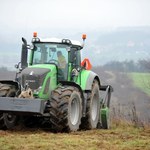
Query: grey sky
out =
(29, 15)
(63, 18)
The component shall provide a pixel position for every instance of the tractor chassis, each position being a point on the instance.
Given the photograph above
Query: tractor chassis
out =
(24, 106)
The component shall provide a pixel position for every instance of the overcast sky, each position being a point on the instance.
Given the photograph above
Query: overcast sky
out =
(64, 19)
(75, 15)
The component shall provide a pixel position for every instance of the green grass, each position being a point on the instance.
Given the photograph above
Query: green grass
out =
(141, 80)
(120, 138)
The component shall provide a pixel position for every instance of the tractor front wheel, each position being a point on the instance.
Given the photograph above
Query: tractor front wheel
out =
(66, 109)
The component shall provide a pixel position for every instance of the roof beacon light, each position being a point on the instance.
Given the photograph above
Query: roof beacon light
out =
(34, 34)
(83, 36)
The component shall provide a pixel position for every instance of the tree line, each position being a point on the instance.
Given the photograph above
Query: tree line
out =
(3, 69)
(128, 66)
(124, 66)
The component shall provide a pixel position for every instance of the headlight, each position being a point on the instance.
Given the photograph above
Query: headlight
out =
(66, 41)
(35, 40)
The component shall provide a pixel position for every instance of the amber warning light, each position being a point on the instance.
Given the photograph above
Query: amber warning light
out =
(34, 34)
(84, 36)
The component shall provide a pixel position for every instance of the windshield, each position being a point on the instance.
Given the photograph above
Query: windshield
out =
(47, 53)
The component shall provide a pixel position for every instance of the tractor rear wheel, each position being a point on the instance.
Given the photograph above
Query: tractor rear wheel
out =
(92, 108)
(66, 109)
(7, 120)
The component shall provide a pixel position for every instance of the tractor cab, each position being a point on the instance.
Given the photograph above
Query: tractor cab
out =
(51, 62)
(63, 53)
(51, 53)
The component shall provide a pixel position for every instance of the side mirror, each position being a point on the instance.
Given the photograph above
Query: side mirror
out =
(17, 65)
(24, 54)
(86, 64)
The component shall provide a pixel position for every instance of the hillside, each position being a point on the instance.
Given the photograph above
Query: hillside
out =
(119, 44)
(142, 81)
(126, 95)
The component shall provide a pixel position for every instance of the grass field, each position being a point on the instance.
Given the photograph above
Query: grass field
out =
(142, 81)
(122, 138)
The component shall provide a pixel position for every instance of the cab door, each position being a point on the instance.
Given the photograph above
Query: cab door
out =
(75, 71)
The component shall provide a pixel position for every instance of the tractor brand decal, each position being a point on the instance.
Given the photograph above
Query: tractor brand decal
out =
(30, 81)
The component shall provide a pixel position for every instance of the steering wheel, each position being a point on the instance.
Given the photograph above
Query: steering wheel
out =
(54, 61)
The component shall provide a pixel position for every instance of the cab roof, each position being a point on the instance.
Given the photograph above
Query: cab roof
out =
(57, 40)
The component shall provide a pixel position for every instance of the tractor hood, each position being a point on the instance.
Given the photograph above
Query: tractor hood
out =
(35, 75)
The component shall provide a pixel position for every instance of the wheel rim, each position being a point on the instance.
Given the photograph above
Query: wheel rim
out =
(74, 111)
(94, 107)
(10, 118)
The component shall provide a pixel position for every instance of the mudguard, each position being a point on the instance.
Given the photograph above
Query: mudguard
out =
(87, 78)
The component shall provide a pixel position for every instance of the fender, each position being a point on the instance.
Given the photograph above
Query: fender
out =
(73, 84)
(87, 78)
(92, 76)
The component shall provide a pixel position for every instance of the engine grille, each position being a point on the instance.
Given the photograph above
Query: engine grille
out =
(34, 77)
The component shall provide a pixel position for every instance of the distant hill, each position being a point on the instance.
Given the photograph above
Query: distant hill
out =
(101, 47)
(119, 45)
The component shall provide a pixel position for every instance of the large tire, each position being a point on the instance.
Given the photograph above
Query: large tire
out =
(10, 120)
(91, 119)
(7, 120)
(66, 109)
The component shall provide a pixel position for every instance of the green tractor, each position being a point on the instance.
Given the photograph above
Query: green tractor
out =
(53, 86)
